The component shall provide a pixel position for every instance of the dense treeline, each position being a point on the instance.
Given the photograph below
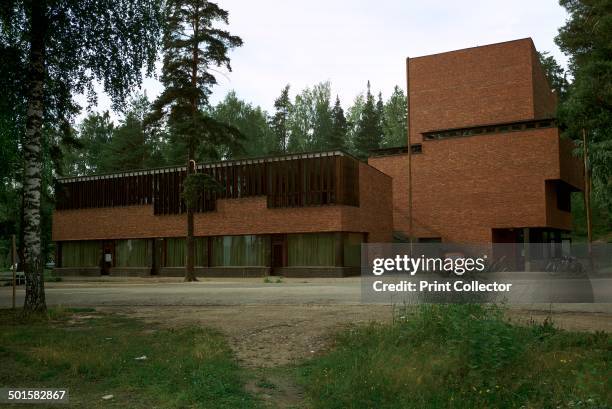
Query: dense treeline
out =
(310, 121)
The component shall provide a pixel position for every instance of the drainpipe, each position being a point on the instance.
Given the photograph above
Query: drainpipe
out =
(410, 227)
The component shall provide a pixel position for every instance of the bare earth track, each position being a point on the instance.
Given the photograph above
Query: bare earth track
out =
(270, 324)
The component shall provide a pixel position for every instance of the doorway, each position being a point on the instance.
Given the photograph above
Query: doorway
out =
(279, 253)
(108, 257)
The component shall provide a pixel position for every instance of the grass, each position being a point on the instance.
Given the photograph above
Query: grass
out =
(460, 356)
(431, 356)
(94, 355)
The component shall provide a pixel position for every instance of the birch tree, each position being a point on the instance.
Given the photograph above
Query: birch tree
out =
(64, 46)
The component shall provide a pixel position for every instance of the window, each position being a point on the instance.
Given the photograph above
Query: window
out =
(416, 148)
(176, 252)
(544, 124)
(429, 240)
(564, 198)
(352, 249)
(311, 250)
(131, 253)
(81, 254)
(240, 251)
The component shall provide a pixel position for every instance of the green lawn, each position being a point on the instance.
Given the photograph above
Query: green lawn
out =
(429, 357)
(461, 357)
(93, 355)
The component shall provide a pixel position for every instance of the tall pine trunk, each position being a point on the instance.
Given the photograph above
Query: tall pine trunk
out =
(587, 197)
(189, 265)
(33, 263)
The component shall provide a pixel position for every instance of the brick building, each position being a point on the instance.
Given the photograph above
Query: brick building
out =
(486, 164)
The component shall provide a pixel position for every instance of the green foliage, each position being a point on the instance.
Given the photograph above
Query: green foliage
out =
(259, 138)
(56, 50)
(601, 219)
(321, 138)
(459, 356)
(353, 120)
(83, 41)
(585, 38)
(94, 355)
(338, 135)
(301, 122)
(196, 184)
(555, 73)
(369, 132)
(394, 120)
(94, 134)
(192, 45)
(280, 121)
(131, 145)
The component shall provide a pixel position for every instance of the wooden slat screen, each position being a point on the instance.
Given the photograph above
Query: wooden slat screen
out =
(292, 182)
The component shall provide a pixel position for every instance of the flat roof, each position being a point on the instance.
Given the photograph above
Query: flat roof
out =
(209, 165)
(476, 46)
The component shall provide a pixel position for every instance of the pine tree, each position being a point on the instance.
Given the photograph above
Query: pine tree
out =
(556, 75)
(353, 120)
(369, 134)
(394, 120)
(280, 121)
(192, 45)
(338, 134)
(322, 117)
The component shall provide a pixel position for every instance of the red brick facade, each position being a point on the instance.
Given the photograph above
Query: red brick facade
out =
(237, 217)
(491, 163)
(465, 186)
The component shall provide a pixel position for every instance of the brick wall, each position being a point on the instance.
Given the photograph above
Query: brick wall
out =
(544, 99)
(474, 86)
(237, 216)
(464, 187)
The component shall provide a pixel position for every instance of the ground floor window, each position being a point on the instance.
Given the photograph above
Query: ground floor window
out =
(131, 253)
(311, 250)
(81, 254)
(352, 249)
(239, 251)
(176, 255)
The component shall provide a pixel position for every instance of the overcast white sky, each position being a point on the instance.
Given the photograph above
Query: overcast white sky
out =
(349, 42)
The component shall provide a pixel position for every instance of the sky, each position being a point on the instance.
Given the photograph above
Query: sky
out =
(349, 42)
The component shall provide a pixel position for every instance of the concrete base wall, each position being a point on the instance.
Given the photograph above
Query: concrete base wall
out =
(130, 271)
(298, 272)
(305, 272)
(217, 271)
(77, 271)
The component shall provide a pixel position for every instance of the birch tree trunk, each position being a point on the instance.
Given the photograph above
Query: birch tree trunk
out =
(33, 263)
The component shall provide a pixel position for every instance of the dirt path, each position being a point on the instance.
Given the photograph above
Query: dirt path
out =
(267, 337)
(264, 336)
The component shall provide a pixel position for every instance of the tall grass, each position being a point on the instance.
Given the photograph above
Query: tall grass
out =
(460, 356)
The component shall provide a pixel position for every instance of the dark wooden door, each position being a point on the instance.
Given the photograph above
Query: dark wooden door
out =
(279, 253)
